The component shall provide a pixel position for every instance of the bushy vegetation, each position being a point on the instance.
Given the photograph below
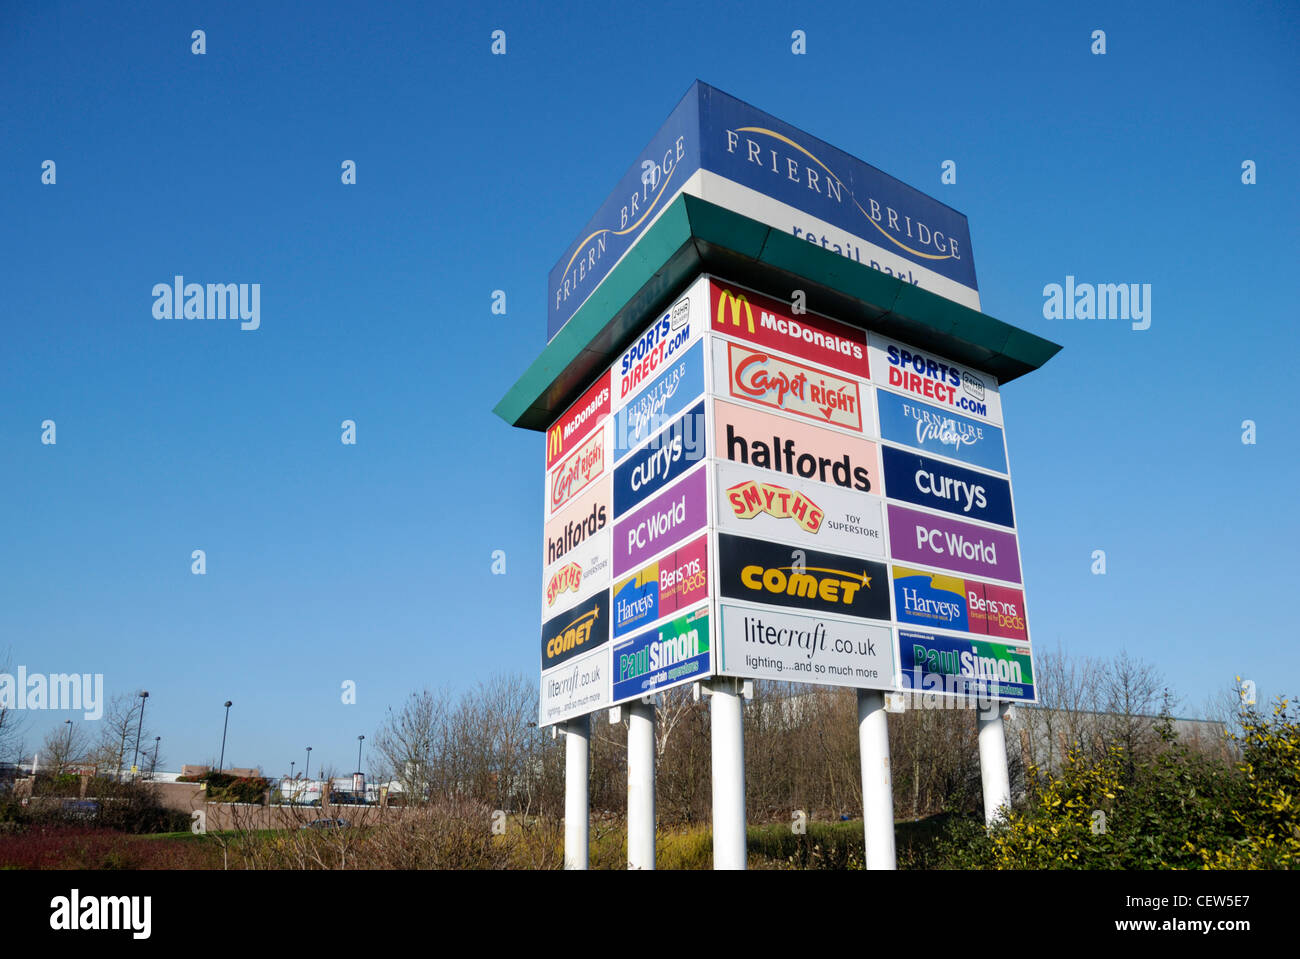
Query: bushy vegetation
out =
(1177, 809)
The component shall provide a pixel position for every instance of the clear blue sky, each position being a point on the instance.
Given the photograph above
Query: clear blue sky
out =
(372, 563)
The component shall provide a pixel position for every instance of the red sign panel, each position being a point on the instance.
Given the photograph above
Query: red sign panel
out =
(772, 325)
(579, 420)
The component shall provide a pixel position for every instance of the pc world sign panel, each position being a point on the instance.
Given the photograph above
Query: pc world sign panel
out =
(723, 150)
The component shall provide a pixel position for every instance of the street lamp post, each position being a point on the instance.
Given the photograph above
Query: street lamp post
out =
(291, 765)
(221, 763)
(144, 694)
(359, 739)
(306, 772)
(67, 757)
(153, 766)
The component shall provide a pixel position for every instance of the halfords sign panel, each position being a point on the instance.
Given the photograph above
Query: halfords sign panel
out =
(950, 602)
(583, 519)
(663, 656)
(771, 325)
(801, 579)
(929, 377)
(771, 506)
(928, 482)
(727, 152)
(929, 428)
(796, 449)
(788, 647)
(786, 386)
(965, 667)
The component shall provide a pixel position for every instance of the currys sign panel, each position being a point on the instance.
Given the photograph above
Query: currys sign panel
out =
(965, 667)
(929, 428)
(950, 602)
(675, 513)
(674, 581)
(788, 647)
(923, 481)
(668, 455)
(785, 385)
(663, 656)
(655, 406)
(762, 572)
(665, 339)
(769, 325)
(578, 576)
(575, 631)
(577, 472)
(933, 378)
(588, 412)
(771, 506)
(949, 544)
(770, 442)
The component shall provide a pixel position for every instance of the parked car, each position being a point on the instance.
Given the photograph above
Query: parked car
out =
(326, 824)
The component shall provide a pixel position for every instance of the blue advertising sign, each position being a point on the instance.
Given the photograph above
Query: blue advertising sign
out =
(923, 481)
(655, 406)
(755, 164)
(668, 455)
(965, 667)
(929, 428)
(672, 653)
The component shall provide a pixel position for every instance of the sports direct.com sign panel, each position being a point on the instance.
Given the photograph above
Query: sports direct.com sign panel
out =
(751, 490)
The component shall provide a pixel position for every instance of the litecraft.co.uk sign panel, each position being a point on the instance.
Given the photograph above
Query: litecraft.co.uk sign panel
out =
(727, 152)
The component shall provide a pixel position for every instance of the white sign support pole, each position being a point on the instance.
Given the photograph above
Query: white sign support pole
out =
(641, 785)
(577, 736)
(993, 761)
(728, 774)
(877, 783)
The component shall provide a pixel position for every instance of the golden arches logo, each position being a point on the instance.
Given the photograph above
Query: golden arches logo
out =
(831, 173)
(737, 300)
(554, 442)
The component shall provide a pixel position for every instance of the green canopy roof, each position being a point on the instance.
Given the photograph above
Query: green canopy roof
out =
(692, 237)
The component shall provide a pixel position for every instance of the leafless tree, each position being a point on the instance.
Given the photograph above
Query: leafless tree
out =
(12, 719)
(65, 745)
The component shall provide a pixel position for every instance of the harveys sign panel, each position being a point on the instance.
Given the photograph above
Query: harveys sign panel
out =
(925, 427)
(588, 412)
(946, 384)
(797, 449)
(772, 506)
(786, 386)
(950, 602)
(772, 325)
(575, 631)
(965, 667)
(764, 643)
(801, 579)
(673, 582)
